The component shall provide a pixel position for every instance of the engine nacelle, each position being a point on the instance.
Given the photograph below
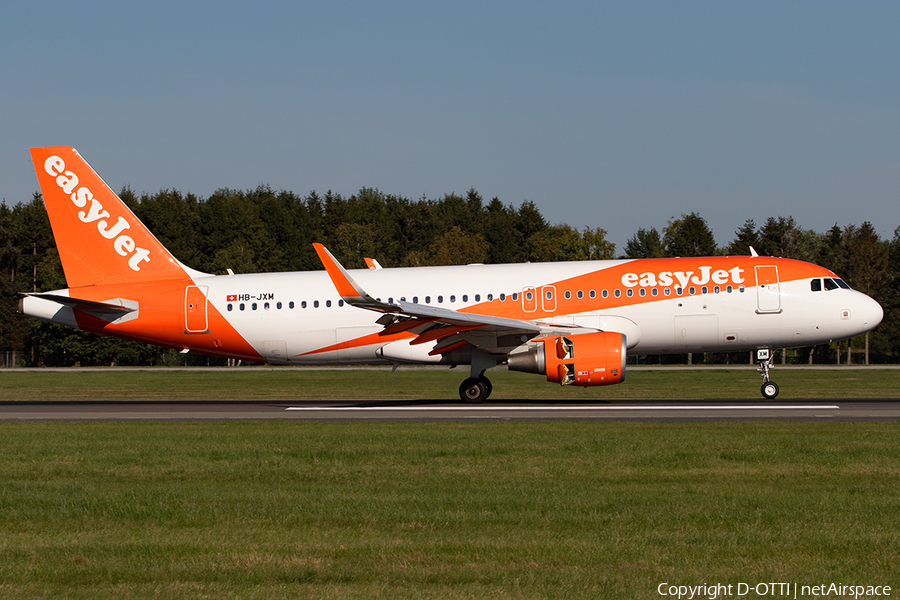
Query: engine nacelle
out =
(584, 359)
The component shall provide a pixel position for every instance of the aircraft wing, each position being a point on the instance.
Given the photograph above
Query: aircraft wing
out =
(451, 329)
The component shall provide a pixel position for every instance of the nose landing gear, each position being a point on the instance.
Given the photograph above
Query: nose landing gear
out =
(769, 388)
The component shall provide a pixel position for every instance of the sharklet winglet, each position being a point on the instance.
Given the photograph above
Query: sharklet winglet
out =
(349, 290)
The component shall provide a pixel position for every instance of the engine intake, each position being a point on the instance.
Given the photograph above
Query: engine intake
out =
(585, 359)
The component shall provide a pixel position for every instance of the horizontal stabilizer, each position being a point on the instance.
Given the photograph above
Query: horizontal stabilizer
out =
(89, 306)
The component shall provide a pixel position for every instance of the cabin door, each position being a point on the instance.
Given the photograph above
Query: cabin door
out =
(195, 305)
(768, 291)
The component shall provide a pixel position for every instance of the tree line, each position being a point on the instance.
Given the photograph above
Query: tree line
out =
(261, 230)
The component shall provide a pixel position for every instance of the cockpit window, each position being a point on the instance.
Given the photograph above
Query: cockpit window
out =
(815, 285)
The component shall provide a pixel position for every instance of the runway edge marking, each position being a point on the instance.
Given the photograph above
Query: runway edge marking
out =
(553, 408)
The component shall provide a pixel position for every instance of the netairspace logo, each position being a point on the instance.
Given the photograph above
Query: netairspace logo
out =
(717, 591)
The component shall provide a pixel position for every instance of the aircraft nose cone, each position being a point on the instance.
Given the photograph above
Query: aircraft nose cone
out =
(871, 312)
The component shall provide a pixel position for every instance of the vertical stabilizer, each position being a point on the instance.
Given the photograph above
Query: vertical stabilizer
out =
(98, 237)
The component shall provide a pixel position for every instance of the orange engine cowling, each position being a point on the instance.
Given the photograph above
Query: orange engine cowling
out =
(583, 359)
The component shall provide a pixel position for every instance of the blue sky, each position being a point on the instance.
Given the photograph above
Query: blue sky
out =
(612, 115)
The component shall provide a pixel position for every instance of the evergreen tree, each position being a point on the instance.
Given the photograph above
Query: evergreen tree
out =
(645, 244)
(689, 236)
(746, 236)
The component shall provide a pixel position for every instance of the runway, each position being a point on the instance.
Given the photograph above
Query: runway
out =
(428, 410)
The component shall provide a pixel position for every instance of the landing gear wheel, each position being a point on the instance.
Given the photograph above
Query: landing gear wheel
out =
(489, 387)
(769, 388)
(474, 390)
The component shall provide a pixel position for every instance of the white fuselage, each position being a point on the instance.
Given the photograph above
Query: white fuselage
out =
(285, 316)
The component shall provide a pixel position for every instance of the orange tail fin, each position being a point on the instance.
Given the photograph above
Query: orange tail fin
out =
(98, 237)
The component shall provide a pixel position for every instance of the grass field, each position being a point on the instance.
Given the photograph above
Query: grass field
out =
(413, 383)
(442, 510)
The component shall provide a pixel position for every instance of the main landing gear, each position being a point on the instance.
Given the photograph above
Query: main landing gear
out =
(477, 388)
(769, 388)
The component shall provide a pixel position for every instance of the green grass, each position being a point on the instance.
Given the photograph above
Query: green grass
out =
(442, 510)
(413, 383)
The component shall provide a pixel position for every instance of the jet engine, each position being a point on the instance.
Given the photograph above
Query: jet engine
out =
(585, 359)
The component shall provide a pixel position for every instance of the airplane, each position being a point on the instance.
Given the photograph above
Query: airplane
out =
(572, 322)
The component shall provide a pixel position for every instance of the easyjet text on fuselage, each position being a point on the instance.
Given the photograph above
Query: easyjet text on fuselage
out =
(702, 276)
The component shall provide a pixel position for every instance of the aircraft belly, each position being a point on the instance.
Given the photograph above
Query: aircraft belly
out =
(696, 333)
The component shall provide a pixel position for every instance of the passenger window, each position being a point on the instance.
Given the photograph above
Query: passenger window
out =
(568, 295)
(477, 297)
(502, 297)
(266, 306)
(241, 306)
(291, 304)
(415, 299)
(643, 292)
(604, 293)
(593, 294)
(230, 307)
(278, 305)
(427, 299)
(253, 306)
(440, 299)
(815, 285)
(340, 302)
(515, 296)
(315, 304)
(328, 303)
(692, 290)
(303, 304)
(465, 298)
(618, 293)
(667, 291)
(629, 292)
(490, 297)
(655, 291)
(580, 294)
